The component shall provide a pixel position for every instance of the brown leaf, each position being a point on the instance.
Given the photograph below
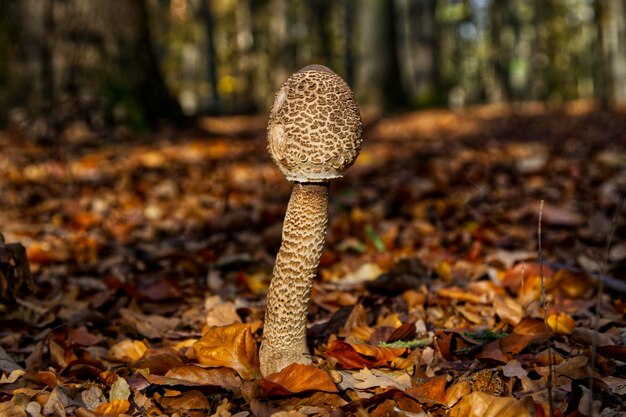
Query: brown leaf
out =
(480, 404)
(431, 391)
(529, 330)
(81, 337)
(561, 323)
(113, 408)
(10, 409)
(294, 379)
(184, 403)
(158, 361)
(493, 351)
(459, 294)
(357, 355)
(509, 310)
(150, 326)
(232, 346)
(127, 350)
(219, 377)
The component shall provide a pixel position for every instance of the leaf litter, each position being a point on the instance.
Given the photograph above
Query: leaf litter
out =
(149, 258)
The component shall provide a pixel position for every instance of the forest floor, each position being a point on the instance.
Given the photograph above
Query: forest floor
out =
(151, 256)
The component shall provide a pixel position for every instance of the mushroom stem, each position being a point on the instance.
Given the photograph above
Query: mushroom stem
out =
(304, 231)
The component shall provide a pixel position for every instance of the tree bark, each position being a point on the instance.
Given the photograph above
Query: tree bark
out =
(378, 85)
(91, 56)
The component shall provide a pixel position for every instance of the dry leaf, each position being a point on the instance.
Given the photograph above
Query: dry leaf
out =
(218, 377)
(12, 377)
(185, 403)
(232, 346)
(150, 326)
(514, 369)
(10, 409)
(509, 310)
(127, 350)
(357, 355)
(296, 378)
(113, 408)
(481, 404)
(377, 378)
(159, 361)
(431, 391)
(561, 323)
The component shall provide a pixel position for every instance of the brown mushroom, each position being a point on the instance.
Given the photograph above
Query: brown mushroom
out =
(314, 135)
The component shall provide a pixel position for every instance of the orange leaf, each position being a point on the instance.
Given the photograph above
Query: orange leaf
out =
(296, 378)
(561, 323)
(220, 377)
(357, 355)
(481, 404)
(127, 350)
(431, 391)
(232, 346)
(183, 403)
(113, 408)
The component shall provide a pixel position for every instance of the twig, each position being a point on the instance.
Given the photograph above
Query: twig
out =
(603, 268)
(544, 305)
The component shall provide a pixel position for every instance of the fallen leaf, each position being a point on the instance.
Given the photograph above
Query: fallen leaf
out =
(10, 409)
(296, 378)
(481, 404)
(357, 355)
(113, 408)
(561, 323)
(150, 326)
(218, 377)
(159, 361)
(377, 378)
(232, 346)
(431, 391)
(514, 369)
(120, 390)
(509, 310)
(127, 350)
(184, 403)
(11, 377)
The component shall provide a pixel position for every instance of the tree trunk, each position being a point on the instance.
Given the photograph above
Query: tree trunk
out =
(418, 50)
(95, 62)
(610, 74)
(378, 85)
(209, 26)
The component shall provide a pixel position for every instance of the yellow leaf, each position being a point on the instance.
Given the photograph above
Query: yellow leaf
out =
(481, 404)
(232, 346)
(561, 323)
(127, 350)
(113, 408)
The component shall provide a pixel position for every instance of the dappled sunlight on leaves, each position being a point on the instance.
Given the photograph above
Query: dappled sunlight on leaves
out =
(151, 258)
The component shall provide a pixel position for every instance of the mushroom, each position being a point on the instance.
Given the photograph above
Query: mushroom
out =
(314, 135)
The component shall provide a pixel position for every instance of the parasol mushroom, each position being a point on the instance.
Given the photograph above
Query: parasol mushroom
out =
(314, 135)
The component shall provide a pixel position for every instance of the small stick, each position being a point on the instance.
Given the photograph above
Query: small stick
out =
(545, 312)
(603, 268)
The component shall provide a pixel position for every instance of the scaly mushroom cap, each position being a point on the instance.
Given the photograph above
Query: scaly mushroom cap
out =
(314, 131)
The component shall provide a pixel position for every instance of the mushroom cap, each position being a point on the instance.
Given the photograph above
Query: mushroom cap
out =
(314, 130)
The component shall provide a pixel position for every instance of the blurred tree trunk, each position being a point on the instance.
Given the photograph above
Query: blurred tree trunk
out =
(348, 39)
(211, 57)
(281, 53)
(500, 87)
(611, 46)
(378, 85)
(95, 61)
(320, 13)
(418, 42)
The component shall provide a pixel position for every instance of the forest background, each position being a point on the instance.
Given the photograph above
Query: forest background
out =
(138, 62)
